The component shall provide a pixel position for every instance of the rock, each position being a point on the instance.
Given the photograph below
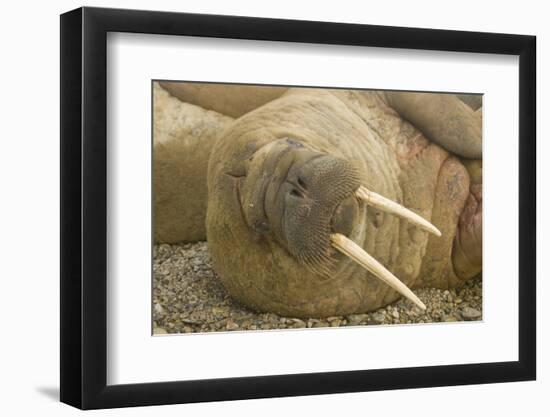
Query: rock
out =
(271, 317)
(355, 319)
(415, 311)
(220, 311)
(469, 313)
(298, 323)
(191, 321)
(378, 318)
(231, 325)
(158, 308)
(159, 330)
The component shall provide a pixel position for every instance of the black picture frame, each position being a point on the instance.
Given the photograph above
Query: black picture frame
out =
(84, 207)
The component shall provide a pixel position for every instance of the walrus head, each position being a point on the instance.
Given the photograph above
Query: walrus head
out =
(300, 196)
(309, 203)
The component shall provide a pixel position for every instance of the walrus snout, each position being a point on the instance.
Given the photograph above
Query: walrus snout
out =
(298, 196)
(322, 197)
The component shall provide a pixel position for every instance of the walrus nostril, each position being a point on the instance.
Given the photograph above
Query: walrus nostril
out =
(345, 215)
(302, 183)
(296, 193)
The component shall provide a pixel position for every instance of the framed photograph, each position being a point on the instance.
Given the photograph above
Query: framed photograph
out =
(257, 208)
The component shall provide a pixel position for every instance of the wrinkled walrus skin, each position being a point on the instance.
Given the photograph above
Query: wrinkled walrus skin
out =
(281, 179)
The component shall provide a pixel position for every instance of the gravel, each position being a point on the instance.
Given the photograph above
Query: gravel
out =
(188, 298)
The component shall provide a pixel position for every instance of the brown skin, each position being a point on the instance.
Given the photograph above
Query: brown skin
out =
(233, 100)
(281, 179)
(182, 146)
(472, 100)
(443, 118)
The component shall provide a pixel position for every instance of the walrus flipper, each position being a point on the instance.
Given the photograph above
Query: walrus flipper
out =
(473, 100)
(443, 118)
(233, 100)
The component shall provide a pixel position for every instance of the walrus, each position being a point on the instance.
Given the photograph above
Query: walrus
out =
(325, 202)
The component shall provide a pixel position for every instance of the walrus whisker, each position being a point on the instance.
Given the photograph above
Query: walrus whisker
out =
(349, 248)
(389, 206)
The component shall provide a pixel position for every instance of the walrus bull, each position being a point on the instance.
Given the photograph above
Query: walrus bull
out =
(319, 199)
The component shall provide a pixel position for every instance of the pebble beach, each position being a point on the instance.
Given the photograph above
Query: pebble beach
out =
(188, 297)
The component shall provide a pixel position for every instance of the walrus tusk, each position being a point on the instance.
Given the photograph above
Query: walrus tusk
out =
(389, 206)
(355, 252)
